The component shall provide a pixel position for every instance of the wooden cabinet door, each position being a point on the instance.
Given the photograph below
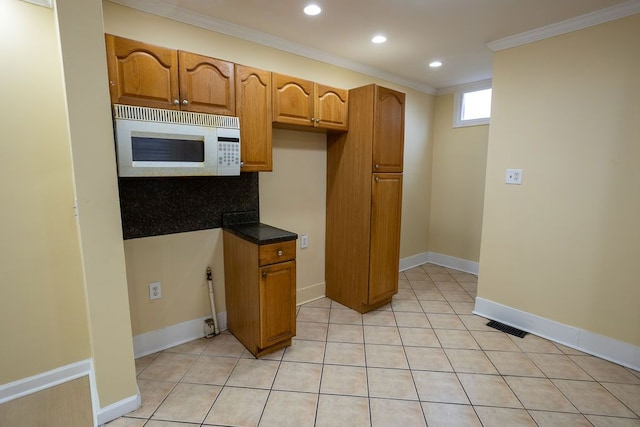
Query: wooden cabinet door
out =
(293, 100)
(142, 74)
(206, 84)
(277, 303)
(388, 132)
(384, 257)
(253, 107)
(331, 109)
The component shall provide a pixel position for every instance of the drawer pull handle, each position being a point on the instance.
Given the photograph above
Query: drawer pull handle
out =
(279, 252)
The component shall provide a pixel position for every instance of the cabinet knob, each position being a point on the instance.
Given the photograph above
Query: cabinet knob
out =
(241, 164)
(313, 119)
(264, 274)
(176, 102)
(279, 252)
(185, 102)
(377, 166)
(377, 179)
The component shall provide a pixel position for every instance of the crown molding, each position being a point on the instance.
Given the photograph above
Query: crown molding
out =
(166, 10)
(618, 11)
(45, 3)
(467, 87)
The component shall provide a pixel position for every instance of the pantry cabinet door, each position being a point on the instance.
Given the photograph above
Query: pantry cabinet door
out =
(384, 256)
(388, 131)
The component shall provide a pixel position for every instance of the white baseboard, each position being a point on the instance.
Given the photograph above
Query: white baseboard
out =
(414, 261)
(118, 409)
(619, 352)
(52, 378)
(453, 262)
(33, 384)
(310, 293)
(171, 336)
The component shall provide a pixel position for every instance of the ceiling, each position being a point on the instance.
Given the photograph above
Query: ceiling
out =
(455, 32)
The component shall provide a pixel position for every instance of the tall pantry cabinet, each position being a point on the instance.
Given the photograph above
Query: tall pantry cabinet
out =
(364, 200)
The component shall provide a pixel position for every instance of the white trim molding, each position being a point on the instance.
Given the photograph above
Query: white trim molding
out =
(414, 261)
(467, 87)
(311, 293)
(45, 3)
(612, 13)
(118, 409)
(44, 380)
(171, 336)
(439, 259)
(619, 352)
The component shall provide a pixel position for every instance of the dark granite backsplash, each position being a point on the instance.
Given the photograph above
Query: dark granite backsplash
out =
(167, 205)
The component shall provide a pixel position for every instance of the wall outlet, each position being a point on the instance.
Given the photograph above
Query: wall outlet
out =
(155, 290)
(513, 176)
(304, 241)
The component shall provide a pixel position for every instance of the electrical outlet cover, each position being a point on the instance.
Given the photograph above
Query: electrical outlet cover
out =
(155, 290)
(513, 176)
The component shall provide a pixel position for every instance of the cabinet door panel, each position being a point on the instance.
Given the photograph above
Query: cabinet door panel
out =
(206, 84)
(331, 107)
(388, 135)
(293, 100)
(386, 207)
(141, 74)
(277, 303)
(253, 107)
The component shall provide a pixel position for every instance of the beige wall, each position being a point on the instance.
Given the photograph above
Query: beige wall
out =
(43, 316)
(457, 194)
(564, 244)
(63, 296)
(91, 134)
(291, 197)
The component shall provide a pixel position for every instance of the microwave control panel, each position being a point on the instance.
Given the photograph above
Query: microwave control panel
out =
(229, 153)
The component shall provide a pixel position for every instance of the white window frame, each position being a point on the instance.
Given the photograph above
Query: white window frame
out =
(458, 92)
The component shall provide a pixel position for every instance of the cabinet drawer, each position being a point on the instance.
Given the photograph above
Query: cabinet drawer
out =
(277, 252)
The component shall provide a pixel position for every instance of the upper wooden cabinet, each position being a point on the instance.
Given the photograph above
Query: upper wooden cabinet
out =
(253, 107)
(206, 84)
(303, 103)
(142, 74)
(388, 132)
(153, 76)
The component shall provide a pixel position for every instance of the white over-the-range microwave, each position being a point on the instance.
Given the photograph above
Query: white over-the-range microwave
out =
(155, 142)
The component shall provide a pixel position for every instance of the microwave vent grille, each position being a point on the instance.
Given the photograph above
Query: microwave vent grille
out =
(146, 114)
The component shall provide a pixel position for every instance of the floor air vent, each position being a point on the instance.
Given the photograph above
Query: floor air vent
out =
(506, 328)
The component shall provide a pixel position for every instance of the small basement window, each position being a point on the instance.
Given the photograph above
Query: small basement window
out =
(472, 107)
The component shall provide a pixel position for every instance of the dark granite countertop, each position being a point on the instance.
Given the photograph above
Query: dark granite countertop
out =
(260, 234)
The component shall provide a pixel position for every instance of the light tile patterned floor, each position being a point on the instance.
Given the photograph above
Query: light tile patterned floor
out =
(423, 360)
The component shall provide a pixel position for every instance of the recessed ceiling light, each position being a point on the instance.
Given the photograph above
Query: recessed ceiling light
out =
(312, 9)
(379, 39)
(435, 64)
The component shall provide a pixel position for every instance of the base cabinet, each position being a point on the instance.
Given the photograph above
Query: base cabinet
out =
(260, 292)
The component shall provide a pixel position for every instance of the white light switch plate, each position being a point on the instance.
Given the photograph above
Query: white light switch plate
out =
(513, 176)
